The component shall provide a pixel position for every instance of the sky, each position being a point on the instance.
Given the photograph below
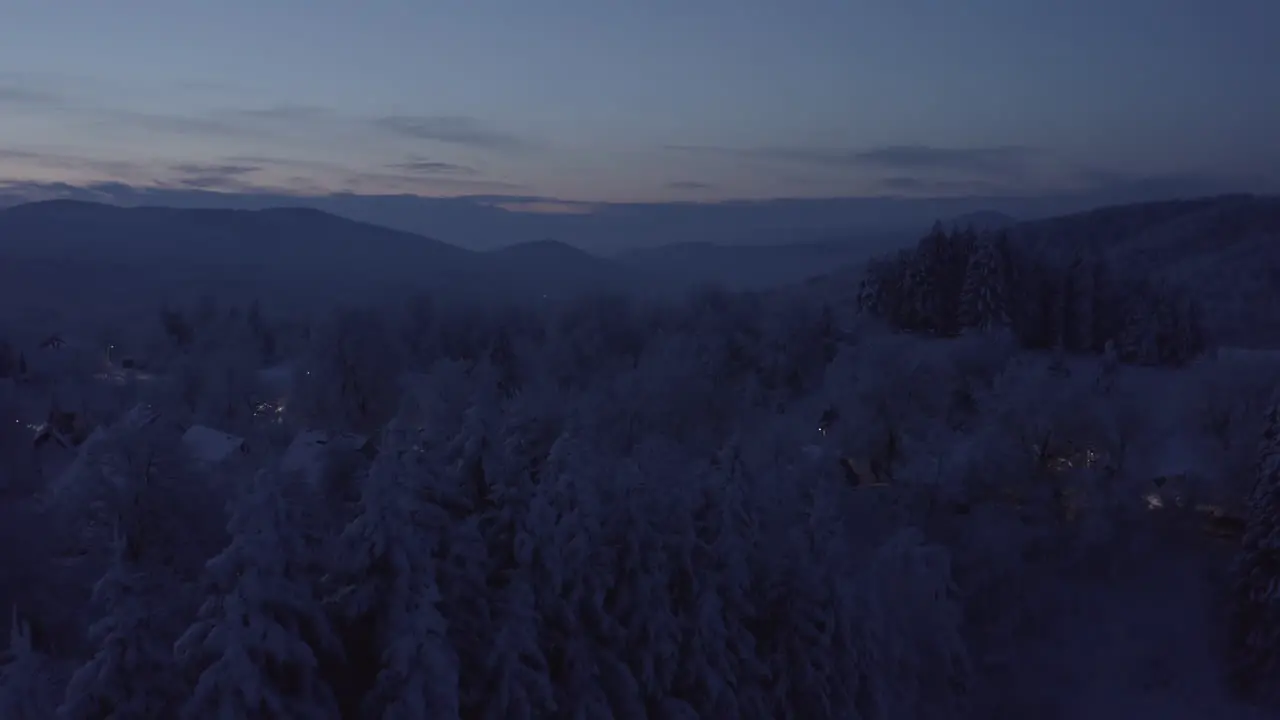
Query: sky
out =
(648, 101)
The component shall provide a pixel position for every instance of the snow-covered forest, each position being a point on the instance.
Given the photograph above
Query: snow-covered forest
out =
(980, 483)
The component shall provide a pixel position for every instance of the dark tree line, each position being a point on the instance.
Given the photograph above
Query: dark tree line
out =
(959, 281)
(1255, 608)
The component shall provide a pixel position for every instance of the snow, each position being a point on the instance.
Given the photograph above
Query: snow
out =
(278, 379)
(736, 505)
(307, 453)
(211, 446)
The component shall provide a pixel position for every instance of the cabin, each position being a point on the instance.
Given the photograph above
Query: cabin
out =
(277, 379)
(140, 415)
(53, 342)
(310, 450)
(67, 429)
(66, 468)
(213, 447)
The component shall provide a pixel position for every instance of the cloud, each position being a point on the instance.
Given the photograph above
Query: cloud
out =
(215, 169)
(247, 174)
(8, 154)
(987, 160)
(688, 185)
(547, 207)
(176, 124)
(213, 176)
(930, 187)
(453, 130)
(433, 167)
(275, 160)
(360, 181)
(288, 113)
(412, 176)
(13, 94)
(122, 169)
(37, 93)
(1004, 160)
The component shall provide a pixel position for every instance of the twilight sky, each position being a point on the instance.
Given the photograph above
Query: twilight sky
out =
(641, 101)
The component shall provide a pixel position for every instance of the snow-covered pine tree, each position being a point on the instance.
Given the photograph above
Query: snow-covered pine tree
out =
(953, 266)
(796, 624)
(910, 648)
(512, 679)
(390, 595)
(929, 281)
(721, 673)
(261, 634)
(1255, 611)
(474, 484)
(1081, 296)
(871, 292)
(351, 380)
(1056, 306)
(985, 295)
(1106, 312)
(1029, 301)
(132, 675)
(881, 290)
(564, 552)
(636, 626)
(1185, 338)
(1137, 341)
(917, 305)
(8, 360)
(30, 686)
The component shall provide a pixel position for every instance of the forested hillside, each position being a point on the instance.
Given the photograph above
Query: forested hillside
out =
(1225, 250)
(1071, 299)
(736, 505)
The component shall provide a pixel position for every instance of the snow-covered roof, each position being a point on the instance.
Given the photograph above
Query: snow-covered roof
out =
(306, 454)
(211, 446)
(279, 378)
(139, 415)
(69, 474)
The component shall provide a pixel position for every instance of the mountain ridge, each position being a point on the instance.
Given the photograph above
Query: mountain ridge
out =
(1227, 248)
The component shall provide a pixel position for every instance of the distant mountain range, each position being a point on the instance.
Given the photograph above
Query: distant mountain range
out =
(485, 222)
(68, 257)
(984, 220)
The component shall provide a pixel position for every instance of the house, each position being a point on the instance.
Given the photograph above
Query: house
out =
(213, 447)
(53, 342)
(277, 380)
(65, 469)
(68, 461)
(139, 415)
(67, 429)
(310, 450)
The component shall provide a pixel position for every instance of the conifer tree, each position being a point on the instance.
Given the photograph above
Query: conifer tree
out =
(132, 673)
(30, 686)
(260, 635)
(985, 295)
(1255, 632)
(390, 567)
